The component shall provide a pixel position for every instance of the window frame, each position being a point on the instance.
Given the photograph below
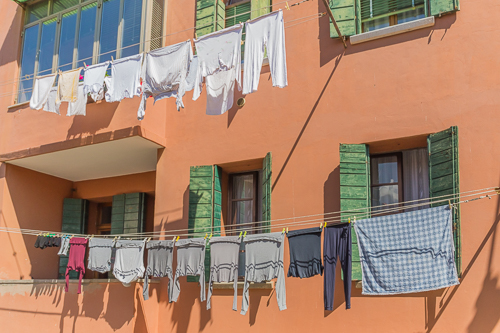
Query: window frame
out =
(400, 182)
(145, 21)
(231, 226)
(393, 16)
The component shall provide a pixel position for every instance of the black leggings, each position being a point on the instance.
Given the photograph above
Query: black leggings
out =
(337, 243)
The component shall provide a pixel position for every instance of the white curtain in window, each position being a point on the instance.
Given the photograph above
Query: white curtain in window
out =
(415, 175)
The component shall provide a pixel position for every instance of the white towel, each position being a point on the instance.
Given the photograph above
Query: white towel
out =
(43, 85)
(125, 80)
(78, 108)
(67, 87)
(164, 74)
(51, 105)
(93, 81)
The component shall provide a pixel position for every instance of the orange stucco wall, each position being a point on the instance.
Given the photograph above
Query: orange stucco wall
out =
(389, 93)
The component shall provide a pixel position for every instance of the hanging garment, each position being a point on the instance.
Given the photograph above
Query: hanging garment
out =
(43, 242)
(55, 241)
(190, 261)
(93, 80)
(125, 79)
(217, 52)
(305, 253)
(266, 31)
(164, 74)
(63, 251)
(78, 108)
(220, 92)
(76, 258)
(51, 105)
(160, 257)
(100, 251)
(193, 76)
(407, 253)
(67, 86)
(129, 261)
(264, 262)
(337, 243)
(224, 254)
(41, 90)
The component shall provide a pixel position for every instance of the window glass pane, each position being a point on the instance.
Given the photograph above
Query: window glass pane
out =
(109, 29)
(47, 46)
(384, 170)
(411, 15)
(38, 11)
(384, 195)
(28, 63)
(60, 5)
(132, 12)
(242, 211)
(376, 24)
(243, 187)
(86, 34)
(67, 40)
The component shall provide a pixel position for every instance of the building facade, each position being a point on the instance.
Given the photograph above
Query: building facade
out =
(408, 110)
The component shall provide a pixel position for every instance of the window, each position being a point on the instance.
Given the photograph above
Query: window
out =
(399, 177)
(65, 34)
(243, 193)
(376, 14)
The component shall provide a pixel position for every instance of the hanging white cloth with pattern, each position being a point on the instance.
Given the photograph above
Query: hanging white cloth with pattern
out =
(78, 108)
(51, 104)
(93, 80)
(125, 80)
(67, 86)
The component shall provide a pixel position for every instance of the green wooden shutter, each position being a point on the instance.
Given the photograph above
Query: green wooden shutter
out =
(128, 213)
(373, 9)
(346, 15)
(205, 206)
(441, 7)
(210, 16)
(354, 191)
(74, 220)
(260, 7)
(444, 178)
(267, 172)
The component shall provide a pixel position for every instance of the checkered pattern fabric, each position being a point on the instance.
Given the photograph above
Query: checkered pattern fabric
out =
(408, 252)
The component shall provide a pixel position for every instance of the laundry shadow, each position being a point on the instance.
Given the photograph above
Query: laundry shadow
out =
(93, 300)
(120, 309)
(487, 307)
(99, 116)
(315, 106)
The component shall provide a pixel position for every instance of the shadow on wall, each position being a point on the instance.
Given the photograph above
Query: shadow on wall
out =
(332, 47)
(98, 117)
(12, 38)
(487, 306)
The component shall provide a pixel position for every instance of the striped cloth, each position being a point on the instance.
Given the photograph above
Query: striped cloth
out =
(408, 252)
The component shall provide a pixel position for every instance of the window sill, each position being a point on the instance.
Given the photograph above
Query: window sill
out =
(230, 285)
(18, 105)
(393, 30)
(61, 281)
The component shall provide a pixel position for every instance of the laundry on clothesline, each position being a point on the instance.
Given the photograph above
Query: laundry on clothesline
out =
(160, 258)
(129, 261)
(78, 107)
(51, 105)
(93, 80)
(100, 252)
(190, 262)
(41, 91)
(305, 253)
(67, 86)
(125, 79)
(76, 259)
(408, 252)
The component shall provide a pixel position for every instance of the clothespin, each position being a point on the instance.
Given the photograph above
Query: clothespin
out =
(449, 204)
(245, 234)
(287, 7)
(283, 231)
(84, 64)
(206, 235)
(173, 240)
(320, 226)
(209, 237)
(178, 238)
(241, 233)
(349, 220)
(287, 230)
(354, 220)
(324, 226)
(92, 236)
(112, 58)
(148, 239)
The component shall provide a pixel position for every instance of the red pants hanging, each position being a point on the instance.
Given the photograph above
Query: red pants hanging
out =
(76, 260)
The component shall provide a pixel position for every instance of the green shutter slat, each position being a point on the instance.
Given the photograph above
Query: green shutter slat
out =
(128, 213)
(260, 7)
(74, 220)
(210, 16)
(205, 202)
(354, 191)
(441, 7)
(374, 8)
(444, 178)
(266, 192)
(344, 12)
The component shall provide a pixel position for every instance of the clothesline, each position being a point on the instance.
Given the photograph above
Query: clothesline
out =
(476, 195)
(31, 76)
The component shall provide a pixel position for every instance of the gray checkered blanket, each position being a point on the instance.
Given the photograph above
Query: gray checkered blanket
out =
(407, 253)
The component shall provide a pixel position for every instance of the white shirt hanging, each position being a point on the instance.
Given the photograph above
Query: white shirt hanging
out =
(93, 80)
(41, 90)
(125, 80)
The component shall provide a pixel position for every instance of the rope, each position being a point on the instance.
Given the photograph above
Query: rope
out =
(376, 211)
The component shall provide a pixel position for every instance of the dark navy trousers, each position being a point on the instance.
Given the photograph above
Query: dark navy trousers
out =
(337, 244)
